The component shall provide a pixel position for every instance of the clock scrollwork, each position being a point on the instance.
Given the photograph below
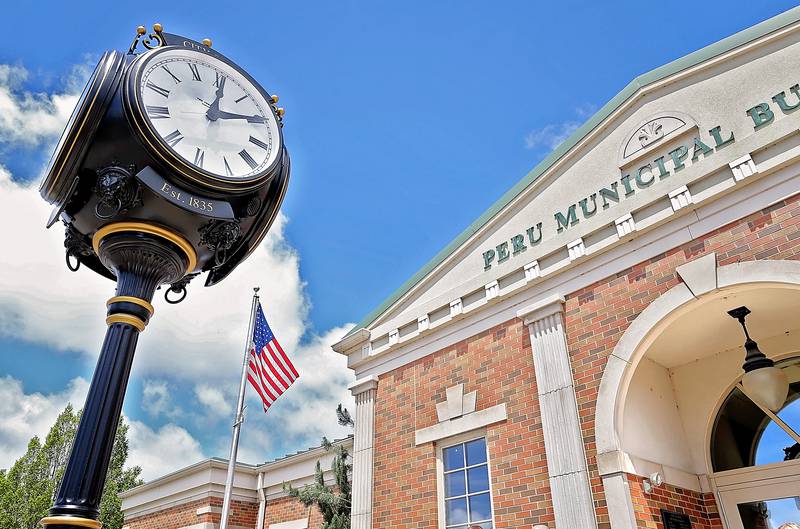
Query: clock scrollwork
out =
(152, 41)
(76, 246)
(220, 236)
(117, 191)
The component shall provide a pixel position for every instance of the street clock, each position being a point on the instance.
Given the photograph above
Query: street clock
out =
(172, 164)
(179, 136)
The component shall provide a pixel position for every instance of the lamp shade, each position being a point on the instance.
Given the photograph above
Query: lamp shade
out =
(768, 385)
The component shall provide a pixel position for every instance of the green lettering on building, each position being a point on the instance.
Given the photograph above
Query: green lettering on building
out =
(717, 135)
(641, 181)
(761, 115)
(570, 219)
(518, 244)
(612, 193)
(678, 156)
(700, 148)
(502, 252)
(644, 176)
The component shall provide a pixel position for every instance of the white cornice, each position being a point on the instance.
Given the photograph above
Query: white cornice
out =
(207, 479)
(351, 341)
(776, 181)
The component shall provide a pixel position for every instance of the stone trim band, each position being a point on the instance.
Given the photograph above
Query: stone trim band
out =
(71, 520)
(150, 229)
(126, 318)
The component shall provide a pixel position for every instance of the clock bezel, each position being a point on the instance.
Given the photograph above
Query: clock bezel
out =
(135, 110)
(81, 129)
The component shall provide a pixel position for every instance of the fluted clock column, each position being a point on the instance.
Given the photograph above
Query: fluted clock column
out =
(364, 391)
(142, 256)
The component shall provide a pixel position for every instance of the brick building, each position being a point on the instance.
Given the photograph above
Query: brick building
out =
(568, 361)
(191, 498)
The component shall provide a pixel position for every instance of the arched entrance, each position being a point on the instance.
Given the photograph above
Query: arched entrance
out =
(670, 406)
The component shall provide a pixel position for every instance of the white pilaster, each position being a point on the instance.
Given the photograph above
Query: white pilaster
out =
(262, 502)
(563, 442)
(364, 391)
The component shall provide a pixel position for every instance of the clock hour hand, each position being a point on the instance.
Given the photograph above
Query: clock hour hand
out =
(221, 114)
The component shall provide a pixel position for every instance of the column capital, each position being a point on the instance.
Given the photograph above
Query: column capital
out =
(541, 309)
(364, 384)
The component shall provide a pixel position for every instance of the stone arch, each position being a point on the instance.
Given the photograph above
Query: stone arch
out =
(702, 279)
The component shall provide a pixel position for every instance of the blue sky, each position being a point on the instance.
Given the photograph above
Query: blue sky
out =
(405, 121)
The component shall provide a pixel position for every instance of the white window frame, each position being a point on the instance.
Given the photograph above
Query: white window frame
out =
(452, 441)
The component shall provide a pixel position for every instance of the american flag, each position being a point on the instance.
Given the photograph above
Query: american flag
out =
(269, 369)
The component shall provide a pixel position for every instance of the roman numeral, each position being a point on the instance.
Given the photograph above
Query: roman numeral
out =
(241, 98)
(195, 72)
(248, 159)
(157, 89)
(227, 167)
(157, 112)
(256, 141)
(173, 138)
(220, 81)
(172, 74)
(198, 157)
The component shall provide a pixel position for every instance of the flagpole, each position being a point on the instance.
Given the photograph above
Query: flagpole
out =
(239, 419)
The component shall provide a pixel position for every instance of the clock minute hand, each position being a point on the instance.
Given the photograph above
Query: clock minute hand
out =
(213, 109)
(221, 114)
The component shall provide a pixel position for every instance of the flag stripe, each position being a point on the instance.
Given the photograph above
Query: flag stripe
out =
(255, 385)
(263, 375)
(262, 388)
(269, 369)
(271, 366)
(286, 359)
(280, 365)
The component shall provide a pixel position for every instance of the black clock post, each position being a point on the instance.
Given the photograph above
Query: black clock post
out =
(146, 213)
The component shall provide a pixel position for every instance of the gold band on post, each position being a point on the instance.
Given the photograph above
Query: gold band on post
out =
(130, 299)
(150, 229)
(71, 520)
(126, 318)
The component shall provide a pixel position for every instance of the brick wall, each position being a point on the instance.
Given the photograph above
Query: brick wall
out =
(287, 509)
(243, 514)
(701, 508)
(498, 364)
(598, 315)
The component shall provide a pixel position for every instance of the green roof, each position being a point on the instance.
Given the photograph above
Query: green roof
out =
(718, 48)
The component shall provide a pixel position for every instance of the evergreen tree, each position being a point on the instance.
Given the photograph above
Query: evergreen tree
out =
(332, 501)
(28, 489)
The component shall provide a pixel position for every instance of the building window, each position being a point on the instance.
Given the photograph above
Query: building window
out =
(466, 500)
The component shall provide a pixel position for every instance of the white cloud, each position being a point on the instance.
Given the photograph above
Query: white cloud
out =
(163, 450)
(23, 415)
(552, 135)
(29, 117)
(157, 399)
(214, 399)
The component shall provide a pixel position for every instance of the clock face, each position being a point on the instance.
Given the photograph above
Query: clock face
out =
(209, 114)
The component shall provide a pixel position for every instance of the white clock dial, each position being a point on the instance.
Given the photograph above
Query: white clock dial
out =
(209, 114)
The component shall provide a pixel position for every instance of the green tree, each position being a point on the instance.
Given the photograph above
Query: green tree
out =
(28, 489)
(333, 501)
